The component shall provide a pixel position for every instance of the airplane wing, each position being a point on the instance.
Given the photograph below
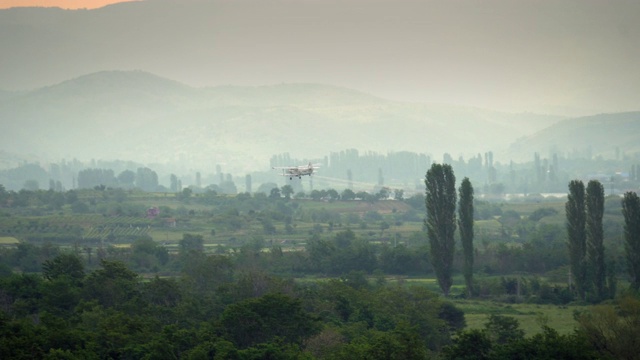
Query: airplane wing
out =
(309, 166)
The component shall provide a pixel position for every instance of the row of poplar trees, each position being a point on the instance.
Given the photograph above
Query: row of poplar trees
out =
(585, 235)
(584, 212)
(440, 201)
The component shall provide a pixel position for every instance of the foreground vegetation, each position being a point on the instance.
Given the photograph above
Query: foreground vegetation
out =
(108, 273)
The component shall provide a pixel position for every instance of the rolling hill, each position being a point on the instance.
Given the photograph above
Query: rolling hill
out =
(559, 57)
(135, 115)
(597, 135)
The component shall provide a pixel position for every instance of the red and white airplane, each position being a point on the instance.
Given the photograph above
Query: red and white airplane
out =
(297, 171)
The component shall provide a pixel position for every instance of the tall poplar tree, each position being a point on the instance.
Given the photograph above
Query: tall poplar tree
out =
(631, 212)
(576, 219)
(595, 237)
(465, 223)
(440, 203)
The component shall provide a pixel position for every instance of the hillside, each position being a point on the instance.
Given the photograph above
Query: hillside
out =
(598, 135)
(558, 57)
(142, 117)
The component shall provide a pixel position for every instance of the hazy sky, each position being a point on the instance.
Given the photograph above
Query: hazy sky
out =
(569, 57)
(560, 57)
(64, 4)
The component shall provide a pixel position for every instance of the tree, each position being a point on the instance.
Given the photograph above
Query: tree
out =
(247, 183)
(333, 194)
(576, 219)
(613, 329)
(440, 203)
(253, 321)
(113, 285)
(173, 181)
(348, 194)
(89, 178)
(191, 243)
(472, 344)
(147, 254)
(403, 343)
(287, 191)
(275, 193)
(503, 329)
(127, 178)
(4, 195)
(631, 212)
(383, 193)
(206, 273)
(268, 227)
(228, 187)
(317, 195)
(595, 236)
(146, 179)
(265, 188)
(465, 223)
(65, 264)
(186, 194)
(547, 345)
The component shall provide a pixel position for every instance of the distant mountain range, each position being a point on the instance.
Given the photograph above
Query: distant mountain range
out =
(138, 116)
(605, 135)
(556, 57)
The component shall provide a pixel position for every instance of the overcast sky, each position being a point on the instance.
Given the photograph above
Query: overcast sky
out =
(570, 57)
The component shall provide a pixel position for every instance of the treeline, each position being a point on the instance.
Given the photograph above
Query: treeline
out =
(450, 210)
(223, 307)
(342, 255)
(214, 308)
(335, 245)
(143, 178)
(584, 210)
(540, 175)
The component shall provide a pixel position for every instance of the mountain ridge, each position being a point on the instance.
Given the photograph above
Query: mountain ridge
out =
(586, 136)
(162, 120)
(491, 54)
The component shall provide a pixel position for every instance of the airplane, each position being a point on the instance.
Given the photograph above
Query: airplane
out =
(297, 171)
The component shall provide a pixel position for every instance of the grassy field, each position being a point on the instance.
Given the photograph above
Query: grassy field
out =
(530, 316)
(8, 240)
(200, 219)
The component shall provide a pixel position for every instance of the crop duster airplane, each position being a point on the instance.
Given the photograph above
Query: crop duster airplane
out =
(297, 171)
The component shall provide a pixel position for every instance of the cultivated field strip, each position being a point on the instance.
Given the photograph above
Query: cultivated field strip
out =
(84, 226)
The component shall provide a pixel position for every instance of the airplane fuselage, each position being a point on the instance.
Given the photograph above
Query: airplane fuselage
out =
(297, 171)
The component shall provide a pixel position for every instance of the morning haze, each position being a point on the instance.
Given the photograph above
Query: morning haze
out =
(320, 179)
(235, 82)
(568, 57)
